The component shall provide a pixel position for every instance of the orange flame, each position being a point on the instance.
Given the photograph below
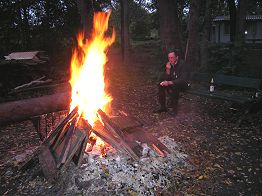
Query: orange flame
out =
(87, 70)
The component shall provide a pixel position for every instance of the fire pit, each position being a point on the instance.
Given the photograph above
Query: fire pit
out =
(89, 121)
(74, 136)
(120, 175)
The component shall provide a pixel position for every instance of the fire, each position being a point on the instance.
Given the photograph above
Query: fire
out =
(87, 70)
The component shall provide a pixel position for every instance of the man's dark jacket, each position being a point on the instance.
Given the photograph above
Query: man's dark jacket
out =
(179, 74)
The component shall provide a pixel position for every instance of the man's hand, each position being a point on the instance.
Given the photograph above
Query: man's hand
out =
(166, 83)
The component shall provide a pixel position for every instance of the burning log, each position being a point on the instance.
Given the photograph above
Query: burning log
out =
(68, 141)
(65, 143)
(114, 129)
(54, 160)
(128, 130)
(108, 137)
(59, 130)
(24, 109)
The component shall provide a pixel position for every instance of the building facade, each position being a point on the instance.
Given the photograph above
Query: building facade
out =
(220, 32)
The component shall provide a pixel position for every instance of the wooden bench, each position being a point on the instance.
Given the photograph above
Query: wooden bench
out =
(230, 88)
(240, 91)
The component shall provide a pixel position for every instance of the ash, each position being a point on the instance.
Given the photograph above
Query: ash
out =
(117, 174)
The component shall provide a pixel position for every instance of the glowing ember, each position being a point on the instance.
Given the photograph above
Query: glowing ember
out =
(87, 70)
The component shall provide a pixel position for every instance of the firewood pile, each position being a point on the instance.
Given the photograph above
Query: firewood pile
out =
(74, 136)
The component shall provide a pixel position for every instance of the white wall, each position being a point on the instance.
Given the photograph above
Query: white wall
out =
(256, 36)
(225, 38)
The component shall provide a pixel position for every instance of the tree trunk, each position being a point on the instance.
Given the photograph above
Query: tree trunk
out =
(124, 30)
(170, 28)
(192, 48)
(241, 21)
(85, 8)
(26, 32)
(20, 25)
(205, 35)
(232, 13)
(24, 109)
(47, 32)
(237, 50)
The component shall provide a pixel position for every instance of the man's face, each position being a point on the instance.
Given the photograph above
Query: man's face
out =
(172, 58)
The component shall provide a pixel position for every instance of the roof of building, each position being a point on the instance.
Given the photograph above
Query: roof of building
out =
(248, 17)
(28, 57)
(22, 55)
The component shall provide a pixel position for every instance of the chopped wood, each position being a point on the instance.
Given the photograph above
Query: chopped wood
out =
(47, 163)
(60, 126)
(108, 137)
(56, 141)
(29, 160)
(127, 123)
(78, 157)
(76, 140)
(111, 126)
(160, 152)
(129, 130)
(135, 119)
(67, 143)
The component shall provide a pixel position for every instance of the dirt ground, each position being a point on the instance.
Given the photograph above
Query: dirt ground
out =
(226, 158)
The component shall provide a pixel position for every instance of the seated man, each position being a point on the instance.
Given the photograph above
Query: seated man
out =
(173, 80)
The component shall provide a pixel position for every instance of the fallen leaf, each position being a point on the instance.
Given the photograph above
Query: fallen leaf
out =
(202, 177)
(218, 166)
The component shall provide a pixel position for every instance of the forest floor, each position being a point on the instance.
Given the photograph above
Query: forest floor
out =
(225, 158)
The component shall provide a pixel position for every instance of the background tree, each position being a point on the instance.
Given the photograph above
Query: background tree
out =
(41, 24)
(169, 27)
(241, 21)
(233, 19)
(142, 19)
(52, 25)
(254, 7)
(192, 48)
(86, 10)
(206, 27)
(237, 12)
